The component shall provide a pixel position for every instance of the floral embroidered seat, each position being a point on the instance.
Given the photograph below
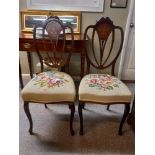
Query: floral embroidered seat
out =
(103, 88)
(49, 87)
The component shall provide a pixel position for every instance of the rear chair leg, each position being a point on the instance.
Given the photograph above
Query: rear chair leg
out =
(80, 107)
(108, 106)
(83, 106)
(46, 106)
(26, 109)
(72, 108)
(126, 113)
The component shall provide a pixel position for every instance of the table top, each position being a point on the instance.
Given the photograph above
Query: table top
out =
(68, 36)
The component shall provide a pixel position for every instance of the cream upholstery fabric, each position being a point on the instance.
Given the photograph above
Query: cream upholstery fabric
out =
(103, 88)
(49, 87)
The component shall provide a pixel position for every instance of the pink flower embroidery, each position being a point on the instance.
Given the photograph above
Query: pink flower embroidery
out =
(49, 79)
(104, 81)
(94, 80)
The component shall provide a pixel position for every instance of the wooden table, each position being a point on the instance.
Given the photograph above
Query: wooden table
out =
(26, 44)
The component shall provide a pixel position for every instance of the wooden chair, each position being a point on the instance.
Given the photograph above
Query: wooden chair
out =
(51, 87)
(103, 88)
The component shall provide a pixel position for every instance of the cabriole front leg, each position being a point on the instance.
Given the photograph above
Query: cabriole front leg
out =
(26, 109)
(126, 112)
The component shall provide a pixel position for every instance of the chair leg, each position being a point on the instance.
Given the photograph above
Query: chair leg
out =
(80, 106)
(108, 106)
(46, 106)
(72, 108)
(26, 109)
(126, 112)
(83, 106)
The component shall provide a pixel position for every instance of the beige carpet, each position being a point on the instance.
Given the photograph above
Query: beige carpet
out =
(52, 136)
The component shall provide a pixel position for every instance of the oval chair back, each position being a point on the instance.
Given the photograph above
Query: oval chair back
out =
(56, 54)
(105, 41)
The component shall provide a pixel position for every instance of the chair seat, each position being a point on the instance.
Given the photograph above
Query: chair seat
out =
(103, 88)
(48, 87)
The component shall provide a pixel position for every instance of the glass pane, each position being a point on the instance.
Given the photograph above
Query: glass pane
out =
(32, 20)
(71, 21)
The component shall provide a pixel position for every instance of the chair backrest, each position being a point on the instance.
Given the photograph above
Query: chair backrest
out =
(51, 35)
(103, 43)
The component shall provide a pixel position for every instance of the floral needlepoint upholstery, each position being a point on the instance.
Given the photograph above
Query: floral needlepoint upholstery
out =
(50, 79)
(103, 88)
(50, 87)
(103, 81)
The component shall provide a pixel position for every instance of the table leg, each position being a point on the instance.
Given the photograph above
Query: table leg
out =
(20, 77)
(30, 64)
(82, 64)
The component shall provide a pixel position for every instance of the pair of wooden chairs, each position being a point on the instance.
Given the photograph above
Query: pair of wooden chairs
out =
(49, 87)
